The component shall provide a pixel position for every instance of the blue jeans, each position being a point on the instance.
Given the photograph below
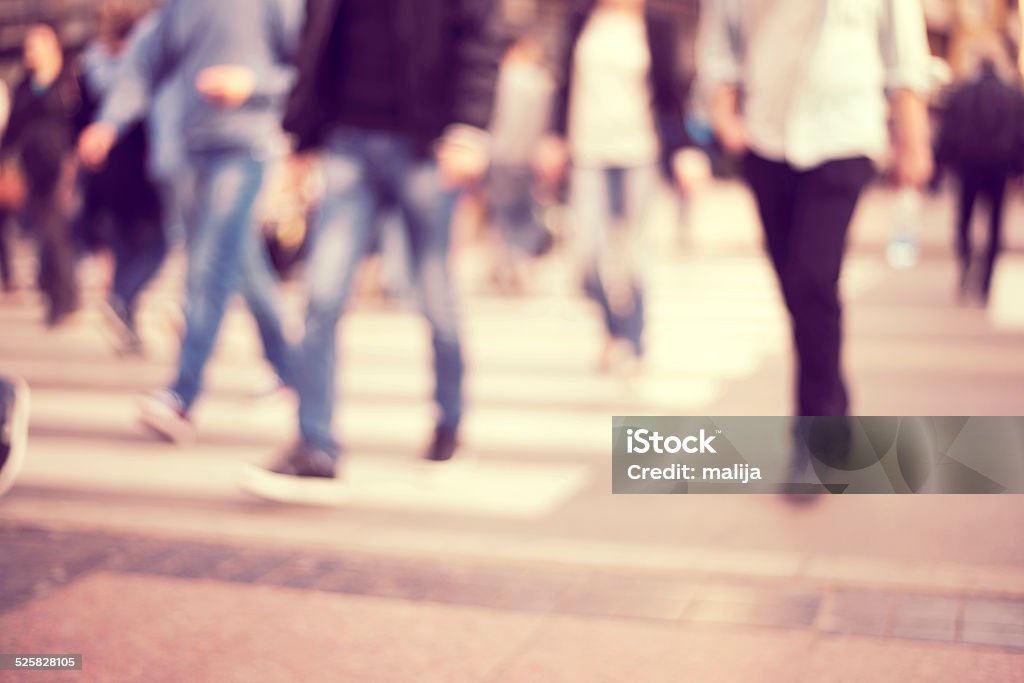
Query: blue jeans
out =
(609, 207)
(225, 256)
(362, 168)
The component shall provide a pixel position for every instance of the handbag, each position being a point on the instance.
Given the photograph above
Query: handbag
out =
(12, 186)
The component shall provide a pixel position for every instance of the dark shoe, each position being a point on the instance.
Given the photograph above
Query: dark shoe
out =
(56, 317)
(14, 400)
(442, 448)
(304, 476)
(303, 461)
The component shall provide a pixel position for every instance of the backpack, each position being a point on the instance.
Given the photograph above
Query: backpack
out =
(982, 124)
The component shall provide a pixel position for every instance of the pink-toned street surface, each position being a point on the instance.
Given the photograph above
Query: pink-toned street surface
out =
(522, 567)
(169, 630)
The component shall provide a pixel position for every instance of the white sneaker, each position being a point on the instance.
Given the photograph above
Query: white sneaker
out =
(162, 414)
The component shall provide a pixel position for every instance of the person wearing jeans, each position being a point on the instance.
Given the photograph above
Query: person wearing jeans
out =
(618, 118)
(816, 81)
(358, 167)
(396, 95)
(226, 185)
(610, 205)
(233, 59)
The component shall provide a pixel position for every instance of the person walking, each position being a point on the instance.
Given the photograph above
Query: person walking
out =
(10, 188)
(40, 137)
(619, 118)
(396, 94)
(982, 139)
(522, 110)
(14, 409)
(120, 201)
(813, 80)
(235, 58)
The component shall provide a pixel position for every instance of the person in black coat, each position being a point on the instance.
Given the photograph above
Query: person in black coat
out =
(40, 135)
(397, 95)
(982, 139)
(619, 120)
(121, 205)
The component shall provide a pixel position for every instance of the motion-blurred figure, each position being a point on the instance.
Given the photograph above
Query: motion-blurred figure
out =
(813, 80)
(397, 94)
(521, 114)
(233, 57)
(982, 139)
(120, 202)
(14, 401)
(40, 135)
(618, 116)
(6, 255)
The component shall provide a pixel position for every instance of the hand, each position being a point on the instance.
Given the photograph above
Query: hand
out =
(691, 169)
(459, 164)
(228, 85)
(95, 143)
(914, 165)
(304, 171)
(551, 159)
(731, 134)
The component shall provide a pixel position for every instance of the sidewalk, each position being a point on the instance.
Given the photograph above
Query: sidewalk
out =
(216, 613)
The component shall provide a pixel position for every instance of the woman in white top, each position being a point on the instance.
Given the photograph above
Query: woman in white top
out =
(618, 121)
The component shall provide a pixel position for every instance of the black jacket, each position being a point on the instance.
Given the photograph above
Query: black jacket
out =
(122, 186)
(669, 86)
(40, 130)
(448, 75)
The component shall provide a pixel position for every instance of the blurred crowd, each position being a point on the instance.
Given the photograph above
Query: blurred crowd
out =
(270, 138)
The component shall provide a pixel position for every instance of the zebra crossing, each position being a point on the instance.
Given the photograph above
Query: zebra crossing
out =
(538, 413)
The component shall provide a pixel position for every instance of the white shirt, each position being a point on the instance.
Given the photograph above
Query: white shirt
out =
(814, 73)
(610, 118)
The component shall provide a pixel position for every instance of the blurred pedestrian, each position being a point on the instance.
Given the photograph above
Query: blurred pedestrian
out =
(8, 201)
(982, 139)
(619, 118)
(812, 78)
(396, 94)
(121, 204)
(14, 403)
(521, 114)
(233, 57)
(40, 137)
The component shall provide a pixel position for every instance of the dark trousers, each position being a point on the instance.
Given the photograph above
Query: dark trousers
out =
(139, 250)
(6, 253)
(56, 252)
(989, 183)
(806, 216)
